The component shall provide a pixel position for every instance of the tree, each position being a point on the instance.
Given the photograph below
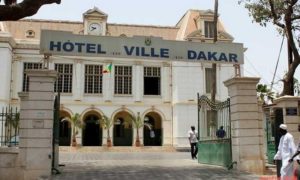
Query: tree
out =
(12, 11)
(75, 125)
(264, 94)
(285, 16)
(138, 122)
(107, 123)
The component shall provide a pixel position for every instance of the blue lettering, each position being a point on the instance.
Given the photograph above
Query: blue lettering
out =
(137, 51)
(91, 48)
(164, 53)
(201, 55)
(57, 46)
(192, 54)
(233, 57)
(211, 55)
(143, 53)
(79, 46)
(68, 47)
(99, 49)
(153, 53)
(129, 52)
(223, 57)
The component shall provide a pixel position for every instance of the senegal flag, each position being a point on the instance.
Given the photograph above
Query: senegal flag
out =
(107, 68)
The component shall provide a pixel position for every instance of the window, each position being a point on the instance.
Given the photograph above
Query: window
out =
(151, 80)
(64, 82)
(28, 66)
(30, 34)
(123, 79)
(209, 29)
(208, 79)
(93, 79)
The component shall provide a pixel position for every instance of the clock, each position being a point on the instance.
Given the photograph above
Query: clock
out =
(95, 28)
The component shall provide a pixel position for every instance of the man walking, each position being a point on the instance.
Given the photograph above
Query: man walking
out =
(286, 150)
(193, 139)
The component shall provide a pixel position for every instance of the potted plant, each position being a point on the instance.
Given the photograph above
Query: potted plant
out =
(107, 123)
(138, 123)
(75, 125)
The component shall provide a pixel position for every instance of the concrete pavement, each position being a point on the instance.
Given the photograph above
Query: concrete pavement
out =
(140, 166)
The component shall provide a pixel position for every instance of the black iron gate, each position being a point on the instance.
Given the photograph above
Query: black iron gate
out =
(9, 126)
(214, 132)
(55, 140)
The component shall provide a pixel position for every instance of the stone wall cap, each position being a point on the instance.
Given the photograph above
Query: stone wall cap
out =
(7, 38)
(241, 80)
(286, 98)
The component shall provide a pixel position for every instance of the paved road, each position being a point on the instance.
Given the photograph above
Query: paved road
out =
(140, 166)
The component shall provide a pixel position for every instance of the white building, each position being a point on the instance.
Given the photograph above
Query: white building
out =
(156, 77)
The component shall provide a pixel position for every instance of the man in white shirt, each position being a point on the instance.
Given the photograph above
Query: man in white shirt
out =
(193, 139)
(286, 149)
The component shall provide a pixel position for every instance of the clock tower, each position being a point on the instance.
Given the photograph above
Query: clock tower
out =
(94, 22)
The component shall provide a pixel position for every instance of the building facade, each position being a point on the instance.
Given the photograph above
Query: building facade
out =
(153, 71)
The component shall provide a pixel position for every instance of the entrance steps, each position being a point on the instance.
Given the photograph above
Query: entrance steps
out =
(117, 149)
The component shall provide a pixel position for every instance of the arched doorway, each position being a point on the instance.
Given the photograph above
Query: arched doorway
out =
(123, 133)
(153, 137)
(64, 129)
(92, 131)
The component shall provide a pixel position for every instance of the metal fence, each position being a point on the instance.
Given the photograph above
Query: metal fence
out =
(211, 117)
(9, 126)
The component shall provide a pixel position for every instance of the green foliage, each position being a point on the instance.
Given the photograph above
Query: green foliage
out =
(76, 124)
(261, 10)
(285, 15)
(138, 122)
(106, 122)
(263, 93)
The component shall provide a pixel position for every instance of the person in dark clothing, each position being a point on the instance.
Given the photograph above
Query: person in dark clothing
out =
(221, 132)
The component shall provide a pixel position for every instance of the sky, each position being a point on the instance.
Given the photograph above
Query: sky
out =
(262, 43)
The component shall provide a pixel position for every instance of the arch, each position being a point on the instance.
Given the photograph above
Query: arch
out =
(122, 128)
(91, 110)
(154, 136)
(64, 127)
(92, 131)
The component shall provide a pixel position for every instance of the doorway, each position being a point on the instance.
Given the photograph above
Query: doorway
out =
(92, 132)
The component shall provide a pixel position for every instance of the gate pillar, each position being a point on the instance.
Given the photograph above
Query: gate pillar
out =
(246, 125)
(290, 111)
(36, 124)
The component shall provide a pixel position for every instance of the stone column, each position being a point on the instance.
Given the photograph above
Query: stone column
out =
(138, 82)
(290, 106)
(246, 127)
(36, 124)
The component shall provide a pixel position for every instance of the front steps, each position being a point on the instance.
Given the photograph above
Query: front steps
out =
(117, 149)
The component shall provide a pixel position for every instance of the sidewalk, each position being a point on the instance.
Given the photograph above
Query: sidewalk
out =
(141, 166)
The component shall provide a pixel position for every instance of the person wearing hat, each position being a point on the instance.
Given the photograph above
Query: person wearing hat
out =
(286, 150)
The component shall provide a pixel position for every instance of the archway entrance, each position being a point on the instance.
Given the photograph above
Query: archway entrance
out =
(64, 129)
(92, 131)
(123, 133)
(153, 137)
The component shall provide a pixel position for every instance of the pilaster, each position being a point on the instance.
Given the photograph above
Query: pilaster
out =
(36, 124)
(246, 126)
